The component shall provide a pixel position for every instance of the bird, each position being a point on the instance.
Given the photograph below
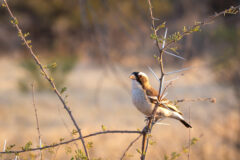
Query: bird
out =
(144, 97)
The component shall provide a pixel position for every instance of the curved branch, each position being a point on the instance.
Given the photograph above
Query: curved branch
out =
(72, 140)
(44, 72)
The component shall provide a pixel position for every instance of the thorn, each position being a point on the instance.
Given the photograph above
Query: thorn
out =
(165, 124)
(40, 143)
(165, 35)
(165, 94)
(156, 19)
(169, 53)
(171, 80)
(162, 85)
(153, 73)
(4, 146)
(177, 71)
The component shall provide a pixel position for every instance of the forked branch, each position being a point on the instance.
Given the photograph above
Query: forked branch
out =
(166, 43)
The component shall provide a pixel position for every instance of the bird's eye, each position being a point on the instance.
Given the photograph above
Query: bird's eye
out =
(140, 76)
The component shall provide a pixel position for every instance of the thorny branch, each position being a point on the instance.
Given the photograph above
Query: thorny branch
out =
(161, 50)
(44, 72)
(72, 140)
(231, 10)
(149, 126)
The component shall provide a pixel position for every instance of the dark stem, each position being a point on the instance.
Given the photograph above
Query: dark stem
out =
(72, 140)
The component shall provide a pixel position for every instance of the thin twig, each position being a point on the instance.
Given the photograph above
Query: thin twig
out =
(36, 116)
(165, 89)
(211, 100)
(73, 140)
(129, 146)
(44, 72)
(202, 23)
(189, 134)
(66, 126)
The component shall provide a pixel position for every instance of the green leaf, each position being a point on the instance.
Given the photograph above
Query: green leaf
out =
(26, 34)
(10, 147)
(3, 5)
(153, 36)
(175, 155)
(166, 157)
(27, 146)
(163, 25)
(74, 132)
(28, 42)
(184, 29)
(194, 141)
(152, 142)
(51, 66)
(89, 145)
(138, 150)
(63, 90)
(61, 139)
(231, 11)
(103, 128)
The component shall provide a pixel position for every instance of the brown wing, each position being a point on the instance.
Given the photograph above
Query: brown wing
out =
(152, 96)
(170, 105)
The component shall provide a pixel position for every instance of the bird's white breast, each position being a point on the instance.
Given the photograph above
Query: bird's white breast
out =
(140, 100)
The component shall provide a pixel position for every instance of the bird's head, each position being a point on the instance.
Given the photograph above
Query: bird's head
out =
(141, 78)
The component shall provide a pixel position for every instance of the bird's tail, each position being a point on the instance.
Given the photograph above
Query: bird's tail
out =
(185, 123)
(181, 119)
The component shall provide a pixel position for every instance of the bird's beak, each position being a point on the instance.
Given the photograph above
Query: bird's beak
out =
(132, 77)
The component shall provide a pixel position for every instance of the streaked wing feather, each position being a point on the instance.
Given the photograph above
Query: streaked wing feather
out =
(170, 105)
(152, 96)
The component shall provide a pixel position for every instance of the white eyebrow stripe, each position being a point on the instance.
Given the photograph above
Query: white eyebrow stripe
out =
(142, 74)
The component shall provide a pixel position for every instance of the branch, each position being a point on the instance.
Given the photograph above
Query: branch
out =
(43, 71)
(129, 146)
(211, 100)
(72, 140)
(149, 126)
(231, 10)
(36, 116)
(179, 36)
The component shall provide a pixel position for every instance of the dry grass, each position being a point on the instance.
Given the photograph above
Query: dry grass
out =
(216, 123)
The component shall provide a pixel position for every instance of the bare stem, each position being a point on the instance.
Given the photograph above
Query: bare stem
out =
(36, 116)
(211, 100)
(44, 72)
(129, 146)
(189, 134)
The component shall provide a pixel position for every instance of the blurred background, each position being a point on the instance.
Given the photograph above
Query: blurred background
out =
(95, 45)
